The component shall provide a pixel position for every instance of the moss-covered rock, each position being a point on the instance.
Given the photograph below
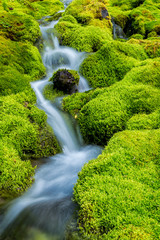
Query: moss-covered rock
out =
(144, 121)
(118, 192)
(111, 63)
(83, 38)
(147, 73)
(22, 56)
(151, 47)
(66, 80)
(19, 27)
(25, 135)
(107, 112)
(86, 11)
(12, 81)
(15, 175)
(37, 9)
(144, 19)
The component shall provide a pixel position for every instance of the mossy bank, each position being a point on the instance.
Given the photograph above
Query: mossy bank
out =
(117, 193)
(24, 133)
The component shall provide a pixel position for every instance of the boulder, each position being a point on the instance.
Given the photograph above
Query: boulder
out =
(66, 80)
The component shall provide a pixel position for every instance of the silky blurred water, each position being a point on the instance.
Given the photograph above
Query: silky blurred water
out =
(45, 209)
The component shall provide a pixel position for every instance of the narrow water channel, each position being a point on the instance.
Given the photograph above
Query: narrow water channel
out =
(44, 210)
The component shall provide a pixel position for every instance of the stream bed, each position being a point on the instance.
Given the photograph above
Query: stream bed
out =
(43, 212)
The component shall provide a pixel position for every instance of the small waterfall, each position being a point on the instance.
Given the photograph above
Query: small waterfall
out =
(118, 31)
(46, 207)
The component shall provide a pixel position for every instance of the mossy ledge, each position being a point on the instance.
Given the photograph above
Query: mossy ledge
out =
(24, 133)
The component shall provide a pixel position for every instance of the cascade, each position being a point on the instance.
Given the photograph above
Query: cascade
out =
(46, 207)
(118, 31)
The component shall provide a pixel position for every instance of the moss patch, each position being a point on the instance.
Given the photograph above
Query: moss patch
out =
(37, 9)
(111, 63)
(25, 135)
(83, 38)
(100, 116)
(118, 192)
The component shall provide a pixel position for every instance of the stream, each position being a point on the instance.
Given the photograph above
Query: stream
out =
(43, 212)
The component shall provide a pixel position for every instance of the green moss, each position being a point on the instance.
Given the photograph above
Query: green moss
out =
(144, 121)
(91, 32)
(37, 9)
(111, 63)
(137, 36)
(45, 7)
(75, 75)
(75, 102)
(23, 127)
(85, 11)
(118, 192)
(50, 93)
(22, 56)
(68, 18)
(12, 81)
(126, 5)
(19, 27)
(15, 175)
(151, 47)
(107, 112)
(144, 19)
(119, 16)
(88, 38)
(147, 73)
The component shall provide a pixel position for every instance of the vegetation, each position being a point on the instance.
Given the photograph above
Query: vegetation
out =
(117, 193)
(111, 63)
(24, 132)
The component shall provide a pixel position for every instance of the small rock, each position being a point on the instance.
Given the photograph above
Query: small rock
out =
(66, 80)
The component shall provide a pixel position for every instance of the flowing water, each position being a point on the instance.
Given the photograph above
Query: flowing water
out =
(44, 210)
(118, 31)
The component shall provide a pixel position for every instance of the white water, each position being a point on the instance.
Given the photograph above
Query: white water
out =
(46, 206)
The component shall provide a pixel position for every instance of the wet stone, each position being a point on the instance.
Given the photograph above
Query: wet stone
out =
(66, 80)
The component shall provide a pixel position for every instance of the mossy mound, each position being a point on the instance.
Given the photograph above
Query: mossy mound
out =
(144, 121)
(89, 12)
(22, 56)
(25, 132)
(147, 73)
(19, 27)
(15, 175)
(12, 81)
(111, 63)
(85, 25)
(118, 192)
(83, 38)
(152, 47)
(126, 5)
(136, 16)
(145, 19)
(109, 111)
(37, 9)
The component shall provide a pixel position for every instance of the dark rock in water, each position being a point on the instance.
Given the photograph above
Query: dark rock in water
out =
(104, 13)
(66, 80)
